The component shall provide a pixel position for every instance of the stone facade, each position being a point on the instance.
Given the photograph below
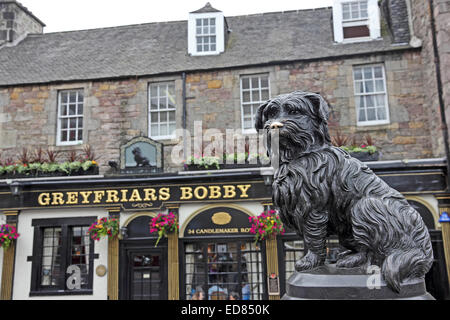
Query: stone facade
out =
(116, 111)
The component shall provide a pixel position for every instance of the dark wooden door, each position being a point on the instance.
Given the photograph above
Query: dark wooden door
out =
(145, 277)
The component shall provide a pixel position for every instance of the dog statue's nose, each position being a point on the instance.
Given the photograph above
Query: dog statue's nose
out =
(276, 125)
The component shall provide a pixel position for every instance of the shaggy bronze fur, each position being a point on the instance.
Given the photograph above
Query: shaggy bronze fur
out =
(320, 190)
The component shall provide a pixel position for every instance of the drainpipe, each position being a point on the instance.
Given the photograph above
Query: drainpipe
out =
(439, 87)
(184, 114)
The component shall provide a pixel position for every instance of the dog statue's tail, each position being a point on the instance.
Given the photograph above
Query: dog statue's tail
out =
(411, 261)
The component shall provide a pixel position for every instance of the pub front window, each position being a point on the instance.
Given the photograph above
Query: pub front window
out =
(63, 255)
(216, 270)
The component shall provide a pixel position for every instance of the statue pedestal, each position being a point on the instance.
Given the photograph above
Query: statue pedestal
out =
(330, 283)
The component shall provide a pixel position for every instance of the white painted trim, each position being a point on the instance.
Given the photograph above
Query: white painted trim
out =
(373, 21)
(220, 33)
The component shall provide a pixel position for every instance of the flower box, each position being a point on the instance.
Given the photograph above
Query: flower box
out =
(366, 156)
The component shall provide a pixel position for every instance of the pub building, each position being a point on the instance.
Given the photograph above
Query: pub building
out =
(213, 255)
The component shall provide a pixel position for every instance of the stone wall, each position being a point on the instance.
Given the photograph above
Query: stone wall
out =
(15, 23)
(422, 29)
(116, 111)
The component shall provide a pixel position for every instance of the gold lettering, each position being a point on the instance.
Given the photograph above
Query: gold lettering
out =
(57, 198)
(214, 192)
(85, 195)
(44, 199)
(135, 196)
(112, 196)
(164, 194)
(186, 193)
(124, 195)
(244, 188)
(150, 195)
(98, 195)
(197, 193)
(72, 198)
(229, 191)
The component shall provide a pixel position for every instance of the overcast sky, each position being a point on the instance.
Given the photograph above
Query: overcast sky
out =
(64, 15)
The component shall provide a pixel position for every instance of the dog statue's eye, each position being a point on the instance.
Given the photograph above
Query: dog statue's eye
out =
(293, 111)
(271, 113)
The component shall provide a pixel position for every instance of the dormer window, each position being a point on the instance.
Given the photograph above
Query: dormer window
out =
(206, 31)
(356, 20)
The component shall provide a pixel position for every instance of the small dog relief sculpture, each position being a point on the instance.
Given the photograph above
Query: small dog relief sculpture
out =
(320, 190)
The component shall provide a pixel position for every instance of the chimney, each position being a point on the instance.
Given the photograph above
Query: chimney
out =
(396, 15)
(16, 22)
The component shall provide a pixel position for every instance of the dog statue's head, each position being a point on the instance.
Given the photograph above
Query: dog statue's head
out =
(136, 151)
(302, 121)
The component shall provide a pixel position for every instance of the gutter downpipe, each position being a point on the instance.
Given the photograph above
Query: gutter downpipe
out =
(184, 116)
(437, 64)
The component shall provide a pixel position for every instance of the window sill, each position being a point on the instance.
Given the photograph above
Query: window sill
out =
(61, 293)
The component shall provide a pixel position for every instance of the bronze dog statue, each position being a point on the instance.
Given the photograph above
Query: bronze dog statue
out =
(320, 190)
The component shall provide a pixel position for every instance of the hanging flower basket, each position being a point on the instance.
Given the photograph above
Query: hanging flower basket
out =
(104, 227)
(164, 224)
(7, 235)
(266, 225)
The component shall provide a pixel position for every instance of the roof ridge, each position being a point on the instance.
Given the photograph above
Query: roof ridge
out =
(178, 21)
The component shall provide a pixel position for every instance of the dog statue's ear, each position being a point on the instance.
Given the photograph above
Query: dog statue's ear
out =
(320, 105)
(259, 118)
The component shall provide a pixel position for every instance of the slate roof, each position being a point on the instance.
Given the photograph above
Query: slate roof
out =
(160, 48)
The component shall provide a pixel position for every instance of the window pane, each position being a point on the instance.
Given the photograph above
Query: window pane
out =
(245, 83)
(359, 86)
(368, 73)
(154, 130)
(212, 21)
(64, 135)
(255, 96)
(172, 116)
(163, 129)
(73, 123)
(80, 134)
(198, 22)
(73, 96)
(72, 109)
(369, 101)
(64, 123)
(80, 96)
(198, 30)
(213, 47)
(264, 95)
(379, 100)
(72, 135)
(154, 103)
(80, 109)
(64, 97)
(381, 112)
(247, 110)
(357, 74)
(371, 115)
(79, 249)
(378, 72)
(246, 96)
(205, 22)
(368, 85)
(379, 85)
(345, 15)
(255, 82)
(154, 117)
(163, 117)
(80, 123)
(51, 274)
(362, 115)
(172, 127)
(264, 82)
(153, 91)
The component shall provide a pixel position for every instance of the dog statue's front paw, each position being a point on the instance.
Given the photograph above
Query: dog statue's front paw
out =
(352, 260)
(309, 261)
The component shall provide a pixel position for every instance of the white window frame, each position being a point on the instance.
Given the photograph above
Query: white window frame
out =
(68, 117)
(150, 111)
(241, 89)
(358, 95)
(205, 35)
(219, 33)
(372, 21)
